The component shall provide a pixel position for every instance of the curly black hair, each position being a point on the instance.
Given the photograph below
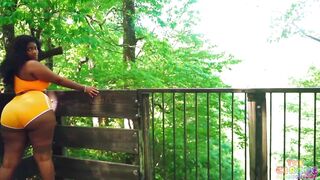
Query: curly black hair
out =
(16, 57)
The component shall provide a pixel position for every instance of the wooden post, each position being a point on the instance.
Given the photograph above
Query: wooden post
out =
(257, 136)
(145, 153)
(58, 150)
(1, 148)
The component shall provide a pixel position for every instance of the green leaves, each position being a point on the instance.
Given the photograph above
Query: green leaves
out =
(168, 55)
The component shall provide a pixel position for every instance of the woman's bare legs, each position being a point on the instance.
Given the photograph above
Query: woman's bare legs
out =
(40, 132)
(14, 144)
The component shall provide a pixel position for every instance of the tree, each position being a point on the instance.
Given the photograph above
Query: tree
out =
(129, 35)
(163, 52)
(309, 125)
(8, 8)
(294, 21)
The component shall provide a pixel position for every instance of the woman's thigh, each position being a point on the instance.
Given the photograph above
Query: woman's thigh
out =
(14, 143)
(41, 130)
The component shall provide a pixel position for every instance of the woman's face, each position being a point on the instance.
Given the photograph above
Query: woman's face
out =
(32, 51)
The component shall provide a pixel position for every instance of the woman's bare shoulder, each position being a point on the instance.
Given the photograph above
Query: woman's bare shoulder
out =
(32, 62)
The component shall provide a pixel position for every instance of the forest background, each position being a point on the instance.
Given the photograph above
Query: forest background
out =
(131, 44)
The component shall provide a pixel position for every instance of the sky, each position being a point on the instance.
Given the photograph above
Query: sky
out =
(242, 28)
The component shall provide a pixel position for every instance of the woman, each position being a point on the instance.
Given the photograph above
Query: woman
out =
(29, 114)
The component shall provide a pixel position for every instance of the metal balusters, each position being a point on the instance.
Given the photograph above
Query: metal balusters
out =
(245, 136)
(284, 132)
(220, 159)
(174, 135)
(153, 135)
(196, 129)
(270, 140)
(163, 134)
(315, 131)
(208, 134)
(299, 136)
(232, 114)
(185, 136)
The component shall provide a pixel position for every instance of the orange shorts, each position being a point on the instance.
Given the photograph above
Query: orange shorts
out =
(24, 108)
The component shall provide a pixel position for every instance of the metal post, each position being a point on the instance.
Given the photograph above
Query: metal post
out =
(258, 136)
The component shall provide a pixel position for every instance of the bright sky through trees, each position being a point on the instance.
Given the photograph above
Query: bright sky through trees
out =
(243, 29)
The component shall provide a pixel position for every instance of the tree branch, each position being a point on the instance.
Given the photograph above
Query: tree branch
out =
(312, 37)
(305, 34)
(50, 53)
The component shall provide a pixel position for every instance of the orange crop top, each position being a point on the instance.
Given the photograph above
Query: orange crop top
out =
(21, 85)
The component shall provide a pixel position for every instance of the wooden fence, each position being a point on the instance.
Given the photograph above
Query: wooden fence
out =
(111, 104)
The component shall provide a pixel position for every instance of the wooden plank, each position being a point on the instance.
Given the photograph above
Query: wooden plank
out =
(27, 168)
(1, 149)
(56, 148)
(118, 104)
(89, 169)
(116, 140)
(114, 104)
(145, 139)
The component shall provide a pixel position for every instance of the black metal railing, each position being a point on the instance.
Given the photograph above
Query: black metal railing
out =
(208, 133)
(255, 134)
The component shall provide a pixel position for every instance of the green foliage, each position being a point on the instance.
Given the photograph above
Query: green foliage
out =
(309, 122)
(292, 21)
(169, 55)
(312, 79)
(184, 136)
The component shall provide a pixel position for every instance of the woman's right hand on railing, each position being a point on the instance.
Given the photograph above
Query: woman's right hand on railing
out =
(92, 91)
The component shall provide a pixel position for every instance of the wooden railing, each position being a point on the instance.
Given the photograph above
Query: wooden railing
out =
(112, 104)
(169, 106)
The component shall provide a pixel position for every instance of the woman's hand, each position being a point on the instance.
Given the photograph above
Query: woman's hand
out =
(92, 91)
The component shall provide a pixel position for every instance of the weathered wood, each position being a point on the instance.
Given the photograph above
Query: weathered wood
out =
(146, 162)
(1, 150)
(90, 169)
(119, 104)
(116, 140)
(27, 168)
(56, 148)
(258, 136)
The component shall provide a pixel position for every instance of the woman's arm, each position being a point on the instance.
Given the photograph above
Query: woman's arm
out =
(41, 72)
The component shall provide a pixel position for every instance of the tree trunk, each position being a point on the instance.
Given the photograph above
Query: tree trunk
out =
(8, 32)
(129, 47)
(8, 29)
(129, 37)
(49, 61)
(8, 35)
